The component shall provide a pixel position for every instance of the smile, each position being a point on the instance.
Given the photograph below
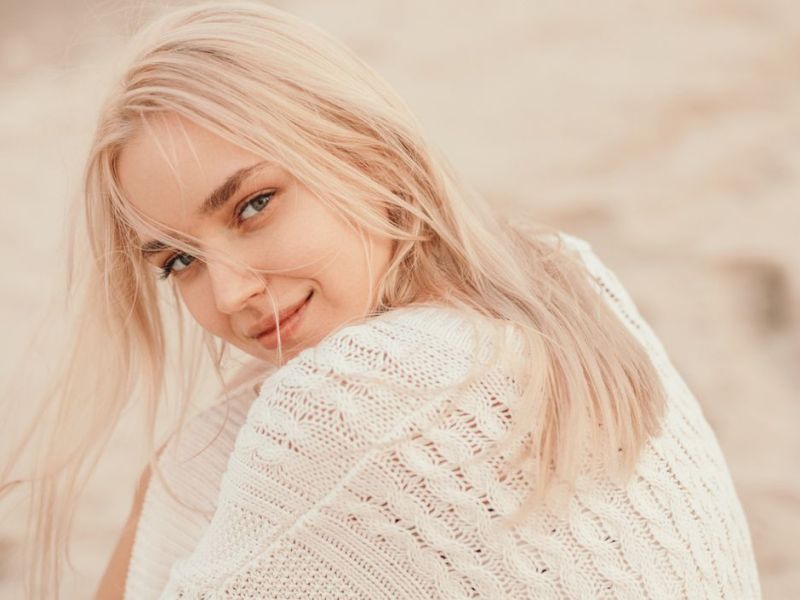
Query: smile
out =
(288, 325)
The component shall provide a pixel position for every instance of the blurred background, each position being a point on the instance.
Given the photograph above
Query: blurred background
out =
(666, 134)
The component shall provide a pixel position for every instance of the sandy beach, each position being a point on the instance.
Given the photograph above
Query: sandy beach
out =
(665, 134)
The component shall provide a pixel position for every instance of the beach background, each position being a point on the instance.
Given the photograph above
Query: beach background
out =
(666, 134)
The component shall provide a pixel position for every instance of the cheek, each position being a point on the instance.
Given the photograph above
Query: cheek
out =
(198, 298)
(351, 278)
(305, 244)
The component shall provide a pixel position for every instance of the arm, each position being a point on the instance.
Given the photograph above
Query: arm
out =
(313, 421)
(112, 583)
(334, 491)
(320, 479)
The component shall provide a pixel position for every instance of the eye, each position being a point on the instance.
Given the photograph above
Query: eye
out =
(255, 205)
(176, 264)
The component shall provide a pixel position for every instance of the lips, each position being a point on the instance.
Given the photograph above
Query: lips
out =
(268, 325)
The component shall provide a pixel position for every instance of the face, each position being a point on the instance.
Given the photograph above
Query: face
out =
(242, 210)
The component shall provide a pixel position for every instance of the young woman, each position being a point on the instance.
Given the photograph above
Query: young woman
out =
(441, 403)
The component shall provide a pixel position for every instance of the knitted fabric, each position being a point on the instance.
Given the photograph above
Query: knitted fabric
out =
(351, 477)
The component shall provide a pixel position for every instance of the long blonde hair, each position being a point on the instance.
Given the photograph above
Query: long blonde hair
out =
(281, 87)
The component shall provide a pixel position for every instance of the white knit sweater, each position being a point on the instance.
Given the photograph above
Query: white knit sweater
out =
(340, 481)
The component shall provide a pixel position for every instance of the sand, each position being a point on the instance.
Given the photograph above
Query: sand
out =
(667, 136)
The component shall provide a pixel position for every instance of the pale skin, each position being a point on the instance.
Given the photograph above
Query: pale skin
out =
(112, 583)
(270, 221)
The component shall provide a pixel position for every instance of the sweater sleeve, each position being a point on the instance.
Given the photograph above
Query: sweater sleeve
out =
(353, 477)
(317, 423)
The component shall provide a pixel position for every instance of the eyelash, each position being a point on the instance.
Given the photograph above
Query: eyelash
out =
(167, 268)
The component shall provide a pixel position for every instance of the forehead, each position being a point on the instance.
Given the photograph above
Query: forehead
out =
(172, 164)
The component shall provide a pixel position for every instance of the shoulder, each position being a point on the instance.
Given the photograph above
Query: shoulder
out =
(389, 345)
(364, 380)
(571, 241)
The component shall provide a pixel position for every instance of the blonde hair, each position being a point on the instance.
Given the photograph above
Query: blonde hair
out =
(281, 87)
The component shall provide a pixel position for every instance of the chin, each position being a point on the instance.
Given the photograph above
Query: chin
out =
(273, 356)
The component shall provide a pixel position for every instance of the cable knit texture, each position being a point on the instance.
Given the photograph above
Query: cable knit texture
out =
(350, 476)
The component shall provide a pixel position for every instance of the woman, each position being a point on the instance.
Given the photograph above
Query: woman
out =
(446, 405)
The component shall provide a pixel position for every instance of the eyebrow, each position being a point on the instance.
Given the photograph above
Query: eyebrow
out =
(213, 202)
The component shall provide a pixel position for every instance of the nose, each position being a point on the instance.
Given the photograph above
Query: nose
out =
(233, 285)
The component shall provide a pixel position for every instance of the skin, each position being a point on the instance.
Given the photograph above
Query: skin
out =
(309, 246)
(112, 583)
(306, 246)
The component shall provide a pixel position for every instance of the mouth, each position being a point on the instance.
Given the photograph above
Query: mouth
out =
(288, 320)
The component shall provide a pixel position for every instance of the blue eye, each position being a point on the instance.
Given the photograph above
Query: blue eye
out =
(180, 261)
(176, 264)
(255, 205)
